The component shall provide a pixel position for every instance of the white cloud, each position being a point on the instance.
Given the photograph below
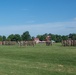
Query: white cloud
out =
(62, 28)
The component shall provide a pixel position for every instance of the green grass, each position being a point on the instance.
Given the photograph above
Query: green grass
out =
(38, 60)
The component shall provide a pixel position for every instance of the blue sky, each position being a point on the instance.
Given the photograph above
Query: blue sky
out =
(37, 17)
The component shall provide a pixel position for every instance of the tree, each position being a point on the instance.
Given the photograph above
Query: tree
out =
(32, 38)
(72, 36)
(17, 37)
(53, 37)
(26, 36)
(0, 38)
(64, 37)
(42, 37)
(3, 38)
(58, 38)
(11, 37)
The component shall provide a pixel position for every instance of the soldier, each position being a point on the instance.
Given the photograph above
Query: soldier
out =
(48, 42)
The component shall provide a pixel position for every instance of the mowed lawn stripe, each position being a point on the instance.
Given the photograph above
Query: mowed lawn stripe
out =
(38, 60)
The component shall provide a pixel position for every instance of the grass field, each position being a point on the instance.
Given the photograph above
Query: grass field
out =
(38, 60)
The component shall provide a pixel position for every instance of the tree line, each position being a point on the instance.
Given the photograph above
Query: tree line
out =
(26, 36)
(56, 37)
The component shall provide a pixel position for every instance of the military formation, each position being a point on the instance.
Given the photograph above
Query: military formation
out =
(48, 42)
(8, 42)
(20, 43)
(26, 43)
(69, 42)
